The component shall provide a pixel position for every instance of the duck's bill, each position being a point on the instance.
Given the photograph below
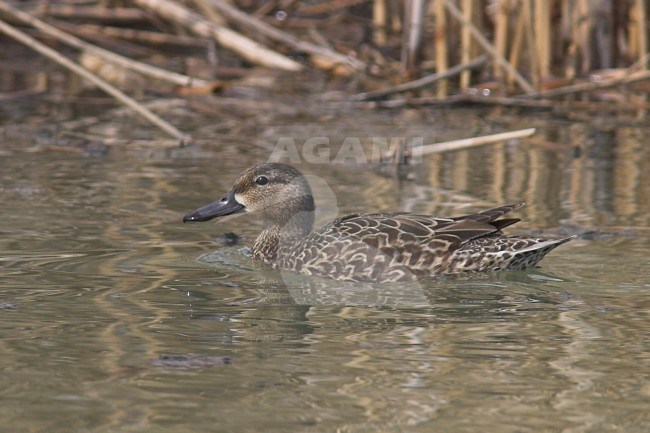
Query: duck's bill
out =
(225, 206)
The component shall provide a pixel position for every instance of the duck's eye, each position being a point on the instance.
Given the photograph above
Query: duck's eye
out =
(262, 180)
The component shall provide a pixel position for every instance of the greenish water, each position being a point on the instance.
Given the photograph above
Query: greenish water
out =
(116, 317)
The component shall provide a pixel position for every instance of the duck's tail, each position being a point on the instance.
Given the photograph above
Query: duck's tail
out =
(529, 256)
(497, 253)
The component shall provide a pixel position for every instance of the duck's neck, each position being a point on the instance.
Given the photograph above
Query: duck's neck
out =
(280, 234)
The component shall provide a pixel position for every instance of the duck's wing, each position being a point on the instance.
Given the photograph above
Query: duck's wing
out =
(491, 215)
(489, 218)
(399, 228)
(390, 246)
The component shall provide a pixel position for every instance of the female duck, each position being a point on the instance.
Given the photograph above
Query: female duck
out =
(379, 247)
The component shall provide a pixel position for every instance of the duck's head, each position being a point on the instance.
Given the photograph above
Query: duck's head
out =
(278, 192)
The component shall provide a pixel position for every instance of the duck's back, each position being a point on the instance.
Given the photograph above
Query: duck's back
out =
(386, 247)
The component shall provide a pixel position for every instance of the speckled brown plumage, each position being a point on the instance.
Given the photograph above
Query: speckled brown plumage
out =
(380, 247)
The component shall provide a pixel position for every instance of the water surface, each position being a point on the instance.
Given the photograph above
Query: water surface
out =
(115, 316)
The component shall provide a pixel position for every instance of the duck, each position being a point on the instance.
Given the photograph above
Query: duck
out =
(369, 247)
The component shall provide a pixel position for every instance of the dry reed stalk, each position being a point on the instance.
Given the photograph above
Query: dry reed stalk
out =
(379, 22)
(414, 21)
(638, 64)
(145, 36)
(106, 87)
(501, 27)
(467, 7)
(247, 48)
(630, 78)
(17, 94)
(143, 68)
(566, 34)
(243, 19)
(208, 12)
(318, 38)
(326, 7)
(448, 146)
(633, 29)
(543, 38)
(643, 30)
(523, 83)
(108, 42)
(396, 14)
(549, 104)
(517, 42)
(582, 34)
(422, 82)
(643, 45)
(94, 13)
(265, 9)
(527, 17)
(606, 37)
(462, 99)
(441, 45)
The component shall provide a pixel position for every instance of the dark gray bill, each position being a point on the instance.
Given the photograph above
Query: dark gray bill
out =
(227, 205)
